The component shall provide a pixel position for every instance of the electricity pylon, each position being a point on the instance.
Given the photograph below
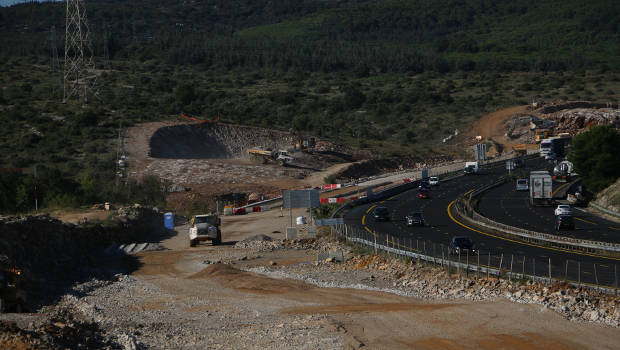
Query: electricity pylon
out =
(78, 54)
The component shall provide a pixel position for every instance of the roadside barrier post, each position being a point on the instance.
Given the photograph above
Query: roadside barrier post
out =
(478, 266)
(510, 276)
(615, 278)
(523, 270)
(458, 267)
(467, 265)
(534, 266)
(398, 252)
(489, 264)
(387, 243)
(549, 270)
(501, 260)
(566, 271)
(375, 243)
(595, 275)
(579, 271)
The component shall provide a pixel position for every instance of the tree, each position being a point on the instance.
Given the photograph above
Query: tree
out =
(184, 94)
(596, 157)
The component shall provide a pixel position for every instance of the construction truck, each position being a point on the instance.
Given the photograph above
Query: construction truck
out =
(281, 157)
(472, 168)
(541, 188)
(563, 171)
(205, 228)
(520, 149)
(542, 134)
(12, 298)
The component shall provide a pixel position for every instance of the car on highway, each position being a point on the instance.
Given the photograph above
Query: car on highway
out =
(461, 245)
(424, 194)
(563, 209)
(414, 218)
(550, 156)
(424, 184)
(523, 185)
(518, 162)
(381, 214)
(433, 181)
(564, 222)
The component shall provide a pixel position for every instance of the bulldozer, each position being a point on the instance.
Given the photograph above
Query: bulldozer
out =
(12, 297)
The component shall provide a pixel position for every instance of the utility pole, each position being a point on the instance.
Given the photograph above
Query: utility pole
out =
(78, 54)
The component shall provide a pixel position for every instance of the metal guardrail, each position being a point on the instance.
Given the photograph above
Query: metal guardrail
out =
(398, 250)
(605, 210)
(469, 213)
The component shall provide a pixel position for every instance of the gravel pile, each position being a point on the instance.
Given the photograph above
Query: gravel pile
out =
(430, 282)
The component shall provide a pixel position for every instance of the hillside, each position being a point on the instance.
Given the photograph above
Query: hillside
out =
(391, 77)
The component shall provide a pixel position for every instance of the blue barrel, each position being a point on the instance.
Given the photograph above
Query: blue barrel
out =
(169, 221)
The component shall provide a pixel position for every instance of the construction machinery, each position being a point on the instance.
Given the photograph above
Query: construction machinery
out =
(12, 298)
(542, 134)
(281, 157)
(520, 149)
(303, 143)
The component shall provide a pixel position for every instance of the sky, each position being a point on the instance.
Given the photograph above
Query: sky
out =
(13, 2)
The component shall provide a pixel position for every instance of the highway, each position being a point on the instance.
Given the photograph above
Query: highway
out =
(441, 226)
(504, 204)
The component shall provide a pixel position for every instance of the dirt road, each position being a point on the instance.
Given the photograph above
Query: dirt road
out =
(217, 297)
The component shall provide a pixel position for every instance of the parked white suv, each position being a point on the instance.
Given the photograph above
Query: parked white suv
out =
(563, 209)
(522, 185)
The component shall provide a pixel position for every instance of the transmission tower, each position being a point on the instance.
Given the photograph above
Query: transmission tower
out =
(54, 65)
(78, 54)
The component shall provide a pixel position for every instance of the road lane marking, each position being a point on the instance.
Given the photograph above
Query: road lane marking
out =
(523, 243)
(369, 209)
(364, 220)
(614, 228)
(584, 220)
(559, 188)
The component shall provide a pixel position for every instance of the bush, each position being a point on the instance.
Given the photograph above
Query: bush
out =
(596, 157)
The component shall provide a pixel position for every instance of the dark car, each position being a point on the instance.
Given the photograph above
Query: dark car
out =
(424, 194)
(564, 221)
(518, 162)
(414, 218)
(461, 245)
(424, 184)
(381, 214)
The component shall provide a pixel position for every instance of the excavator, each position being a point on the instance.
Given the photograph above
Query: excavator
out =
(304, 144)
(12, 298)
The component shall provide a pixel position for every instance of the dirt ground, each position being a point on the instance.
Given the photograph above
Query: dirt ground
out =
(374, 319)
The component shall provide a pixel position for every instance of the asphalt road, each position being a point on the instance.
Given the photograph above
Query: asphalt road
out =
(441, 226)
(504, 204)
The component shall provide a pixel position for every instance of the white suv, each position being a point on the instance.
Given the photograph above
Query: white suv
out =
(433, 181)
(563, 209)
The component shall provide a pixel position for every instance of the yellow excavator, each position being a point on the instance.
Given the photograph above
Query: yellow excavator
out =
(12, 298)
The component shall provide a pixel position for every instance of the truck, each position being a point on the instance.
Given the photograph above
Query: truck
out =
(205, 227)
(472, 168)
(281, 157)
(563, 171)
(553, 147)
(541, 188)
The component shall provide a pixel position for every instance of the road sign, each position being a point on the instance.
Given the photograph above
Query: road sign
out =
(480, 151)
(300, 199)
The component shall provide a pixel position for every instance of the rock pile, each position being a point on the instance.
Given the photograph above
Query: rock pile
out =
(575, 120)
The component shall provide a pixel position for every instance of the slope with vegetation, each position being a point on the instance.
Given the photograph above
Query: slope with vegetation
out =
(391, 76)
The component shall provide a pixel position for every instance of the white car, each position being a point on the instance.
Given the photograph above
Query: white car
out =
(522, 185)
(563, 209)
(433, 181)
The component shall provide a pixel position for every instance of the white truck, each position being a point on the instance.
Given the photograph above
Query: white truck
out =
(205, 228)
(472, 168)
(541, 188)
